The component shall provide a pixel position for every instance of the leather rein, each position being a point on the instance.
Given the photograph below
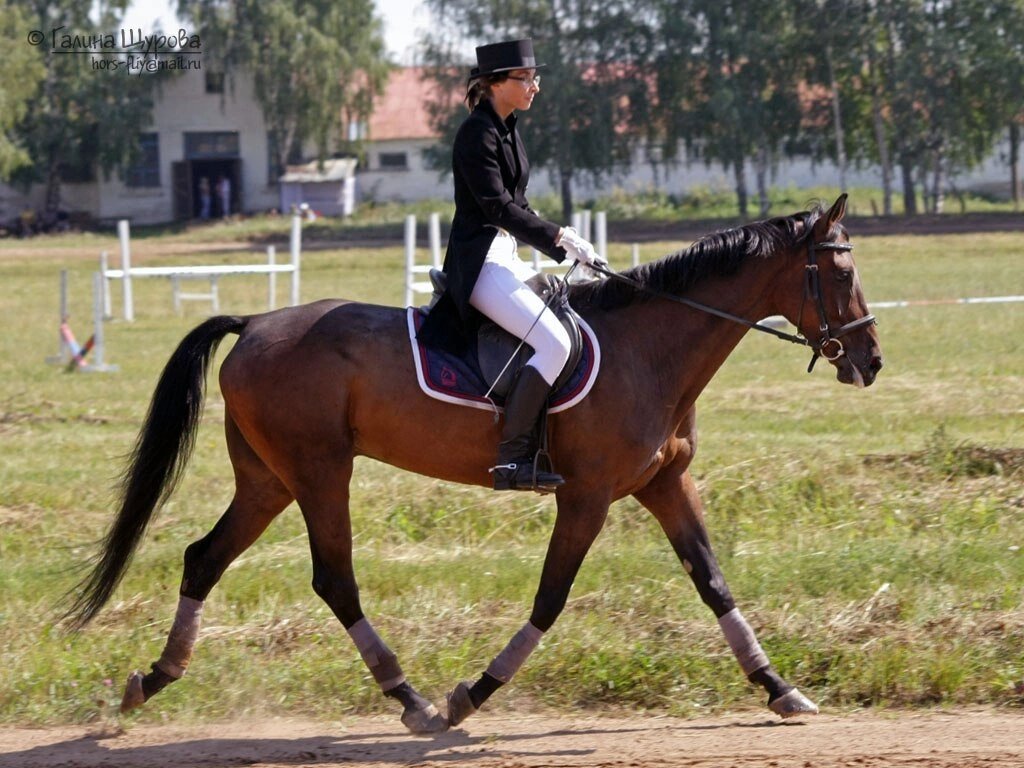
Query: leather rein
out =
(829, 346)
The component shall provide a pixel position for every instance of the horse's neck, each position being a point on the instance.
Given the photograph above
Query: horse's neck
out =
(689, 346)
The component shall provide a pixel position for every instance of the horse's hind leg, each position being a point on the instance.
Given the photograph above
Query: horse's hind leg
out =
(324, 500)
(259, 498)
(672, 498)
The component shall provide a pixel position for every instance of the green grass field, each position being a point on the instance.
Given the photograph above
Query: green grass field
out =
(872, 537)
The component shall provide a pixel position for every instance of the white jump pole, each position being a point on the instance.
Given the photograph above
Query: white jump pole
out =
(296, 249)
(585, 224)
(410, 257)
(636, 254)
(271, 277)
(601, 233)
(435, 240)
(98, 363)
(104, 267)
(126, 267)
(63, 351)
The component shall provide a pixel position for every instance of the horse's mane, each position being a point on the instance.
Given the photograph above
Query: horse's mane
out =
(716, 255)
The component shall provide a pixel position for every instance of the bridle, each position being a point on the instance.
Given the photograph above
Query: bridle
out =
(812, 290)
(828, 346)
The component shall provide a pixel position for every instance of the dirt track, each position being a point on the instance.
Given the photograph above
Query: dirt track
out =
(964, 739)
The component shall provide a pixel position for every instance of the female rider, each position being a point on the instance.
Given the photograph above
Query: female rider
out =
(485, 274)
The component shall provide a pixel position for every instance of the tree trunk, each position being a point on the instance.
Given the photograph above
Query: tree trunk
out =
(909, 197)
(837, 118)
(52, 203)
(925, 187)
(939, 181)
(881, 140)
(741, 186)
(565, 185)
(761, 171)
(1015, 185)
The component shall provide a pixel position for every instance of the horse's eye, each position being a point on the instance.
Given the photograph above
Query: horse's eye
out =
(844, 276)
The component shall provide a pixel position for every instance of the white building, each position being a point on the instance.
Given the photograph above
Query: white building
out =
(203, 128)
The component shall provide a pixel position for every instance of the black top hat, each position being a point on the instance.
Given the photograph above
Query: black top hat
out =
(504, 57)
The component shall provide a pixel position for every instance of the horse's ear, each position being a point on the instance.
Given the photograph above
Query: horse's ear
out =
(837, 211)
(823, 227)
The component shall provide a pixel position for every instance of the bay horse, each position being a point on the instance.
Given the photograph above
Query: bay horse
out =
(308, 388)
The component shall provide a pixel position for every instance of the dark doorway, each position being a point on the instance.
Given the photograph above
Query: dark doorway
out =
(208, 176)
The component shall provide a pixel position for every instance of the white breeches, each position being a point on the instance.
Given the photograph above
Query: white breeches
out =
(501, 295)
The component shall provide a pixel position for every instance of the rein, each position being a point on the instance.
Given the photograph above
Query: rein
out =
(812, 290)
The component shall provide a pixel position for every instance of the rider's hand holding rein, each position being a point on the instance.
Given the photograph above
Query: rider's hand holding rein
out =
(579, 249)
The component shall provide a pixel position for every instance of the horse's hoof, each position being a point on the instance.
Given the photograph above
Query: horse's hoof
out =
(460, 706)
(133, 695)
(425, 721)
(792, 704)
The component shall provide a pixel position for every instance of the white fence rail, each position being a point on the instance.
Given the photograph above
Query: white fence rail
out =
(212, 273)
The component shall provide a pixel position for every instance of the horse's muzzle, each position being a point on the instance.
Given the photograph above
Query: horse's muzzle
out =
(849, 372)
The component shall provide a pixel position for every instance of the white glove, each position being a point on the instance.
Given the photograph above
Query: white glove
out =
(579, 249)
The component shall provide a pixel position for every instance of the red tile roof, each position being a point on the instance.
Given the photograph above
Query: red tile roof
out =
(401, 111)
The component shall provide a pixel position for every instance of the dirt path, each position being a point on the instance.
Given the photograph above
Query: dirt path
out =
(961, 739)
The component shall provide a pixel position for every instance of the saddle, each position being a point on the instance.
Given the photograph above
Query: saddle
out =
(495, 356)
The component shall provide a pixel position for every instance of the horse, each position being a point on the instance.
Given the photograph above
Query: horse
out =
(308, 388)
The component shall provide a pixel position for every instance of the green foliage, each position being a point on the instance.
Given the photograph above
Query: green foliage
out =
(922, 90)
(19, 78)
(878, 559)
(67, 126)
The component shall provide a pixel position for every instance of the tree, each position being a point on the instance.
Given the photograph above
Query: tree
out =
(81, 118)
(312, 62)
(998, 31)
(19, 78)
(745, 102)
(594, 105)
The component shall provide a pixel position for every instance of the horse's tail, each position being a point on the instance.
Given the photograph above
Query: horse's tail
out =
(157, 462)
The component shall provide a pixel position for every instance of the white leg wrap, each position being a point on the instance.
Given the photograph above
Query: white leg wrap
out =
(383, 663)
(744, 644)
(508, 662)
(182, 639)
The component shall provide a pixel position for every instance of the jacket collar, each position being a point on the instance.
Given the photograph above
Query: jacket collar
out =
(505, 127)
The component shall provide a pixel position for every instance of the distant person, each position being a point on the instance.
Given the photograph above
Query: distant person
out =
(205, 199)
(486, 277)
(224, 193)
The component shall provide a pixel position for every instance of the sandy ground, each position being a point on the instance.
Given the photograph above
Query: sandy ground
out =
(964, 739)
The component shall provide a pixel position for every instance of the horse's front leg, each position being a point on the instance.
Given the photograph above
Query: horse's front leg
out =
(672, 498)
(580, 518)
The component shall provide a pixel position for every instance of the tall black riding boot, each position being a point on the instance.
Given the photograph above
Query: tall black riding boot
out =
(515, 469)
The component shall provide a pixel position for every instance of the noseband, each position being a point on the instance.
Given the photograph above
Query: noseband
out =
(828, 346)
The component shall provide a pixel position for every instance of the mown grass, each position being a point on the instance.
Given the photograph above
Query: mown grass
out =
(872, 537)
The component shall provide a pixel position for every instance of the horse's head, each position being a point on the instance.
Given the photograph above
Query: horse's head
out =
(830, 311)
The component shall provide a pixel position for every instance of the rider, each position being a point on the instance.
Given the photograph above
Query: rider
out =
(485, 274)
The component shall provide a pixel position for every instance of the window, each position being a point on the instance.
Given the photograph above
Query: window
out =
(393, 161)
(357, 130)
(211, 145)
(215, 82)
(146, 170)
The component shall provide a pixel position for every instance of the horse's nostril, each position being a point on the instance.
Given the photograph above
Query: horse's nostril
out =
(876, 364)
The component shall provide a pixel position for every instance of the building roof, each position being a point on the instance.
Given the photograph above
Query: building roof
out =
(308, 173)
(401, 111)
